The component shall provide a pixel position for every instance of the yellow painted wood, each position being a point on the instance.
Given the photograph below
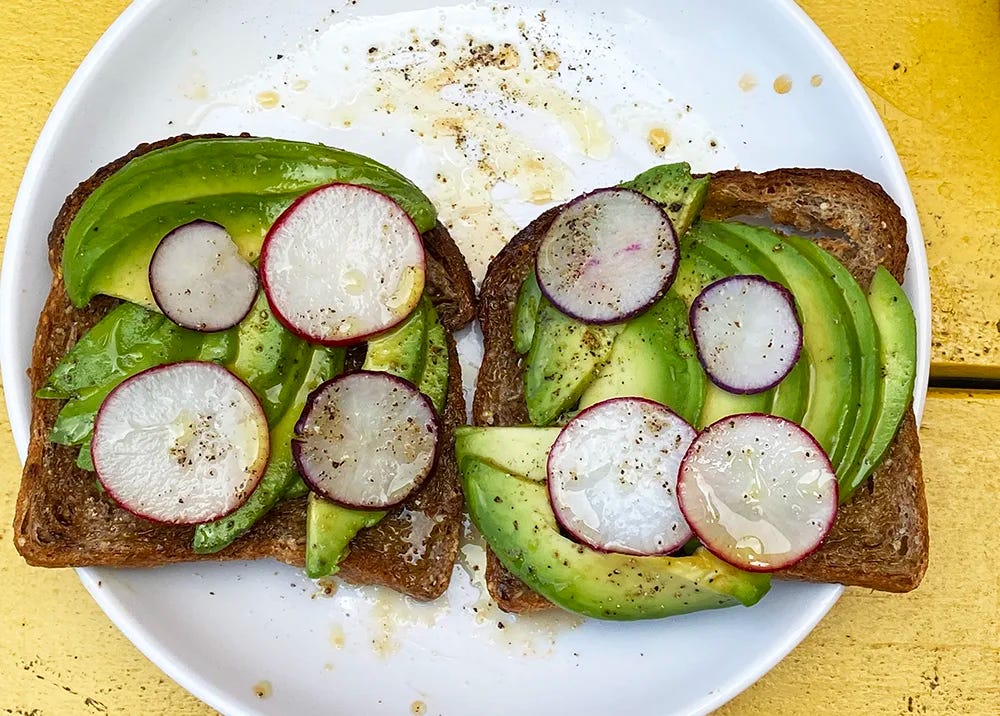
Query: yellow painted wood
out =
(931, 70)
(935, 651)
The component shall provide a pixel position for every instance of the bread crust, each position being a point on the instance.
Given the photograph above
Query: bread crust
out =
(880, 538)
(62, 519)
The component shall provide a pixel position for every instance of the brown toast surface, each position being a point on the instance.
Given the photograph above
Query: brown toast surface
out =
(62, 519)
(880, 538)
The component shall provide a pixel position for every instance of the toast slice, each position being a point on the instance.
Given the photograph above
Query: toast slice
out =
(63, 520)
(880, 538)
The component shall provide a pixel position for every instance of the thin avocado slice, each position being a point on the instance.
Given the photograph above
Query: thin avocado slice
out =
(829, 343)
(565, 357)
(673, 188)
(263, 357)
(241, 183)
(515, 518)
(654, 358)
(855, 304)
(110, 348)
(403, 350)
(529, 298)
(280, 475)
(897, 331)
(516, 450)
(434, 381)
(329, 531)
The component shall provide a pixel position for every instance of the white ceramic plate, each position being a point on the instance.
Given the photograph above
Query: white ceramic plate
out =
(594, 84)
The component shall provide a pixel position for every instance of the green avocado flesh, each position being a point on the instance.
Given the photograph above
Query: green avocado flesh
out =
(564, 358)
(654, 357)
(518, 450)
(403, 350)
(897, 341)
(673, 188)
(515, 517)
(244, 184)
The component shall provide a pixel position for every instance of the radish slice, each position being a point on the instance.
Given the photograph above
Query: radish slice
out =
(183, 443)
(608, 255)
(342, 263)
(758, 491)
(747, 333)
(366, 440)
(612, 474)
(199, 280)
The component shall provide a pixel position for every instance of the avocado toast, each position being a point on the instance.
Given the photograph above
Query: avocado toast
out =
(879, 539)
(62, 517)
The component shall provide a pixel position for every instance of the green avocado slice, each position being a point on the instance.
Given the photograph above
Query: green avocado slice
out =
(654, 358)
(517, 450)
(564, 359)
(855, 305)
(434, 381)
(529, 298)
(672, 187)
(897, 331)
(403, 350)
(241, 183)
(515, 518)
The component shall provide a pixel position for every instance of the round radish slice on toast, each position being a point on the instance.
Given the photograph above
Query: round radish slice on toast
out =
(607, 256)
(199, 280)
(612, 476)
(747, 333)
(182, 443)
(366, 440)
(342, 263)
(758, 491)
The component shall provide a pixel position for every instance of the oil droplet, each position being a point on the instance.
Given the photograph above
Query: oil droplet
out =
(747, 82)
(816, 80)
(262, 689)
(337, 636)
(353, 282)
(540, 195)
(268, 99)
(659, 139)
(551, 60)
(508, 57)
(300, 84)
(782, 84)
(418, 707)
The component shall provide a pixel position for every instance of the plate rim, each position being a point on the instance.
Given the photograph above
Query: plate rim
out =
(201, 687)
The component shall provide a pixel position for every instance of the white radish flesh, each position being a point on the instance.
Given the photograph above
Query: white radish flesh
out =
(758, 491)
(607, 256)
(366, 440)
(612, 475)
(199, 280)
(747, 333)
(342, 263)
(183, 443)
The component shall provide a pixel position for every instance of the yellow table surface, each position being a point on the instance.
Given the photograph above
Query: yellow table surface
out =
(934, 75)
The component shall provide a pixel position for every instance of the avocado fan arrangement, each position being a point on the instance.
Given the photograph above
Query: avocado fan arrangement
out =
(701, 395)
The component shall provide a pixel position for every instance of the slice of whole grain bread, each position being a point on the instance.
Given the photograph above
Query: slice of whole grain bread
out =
(880, 538)
(62, 519)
